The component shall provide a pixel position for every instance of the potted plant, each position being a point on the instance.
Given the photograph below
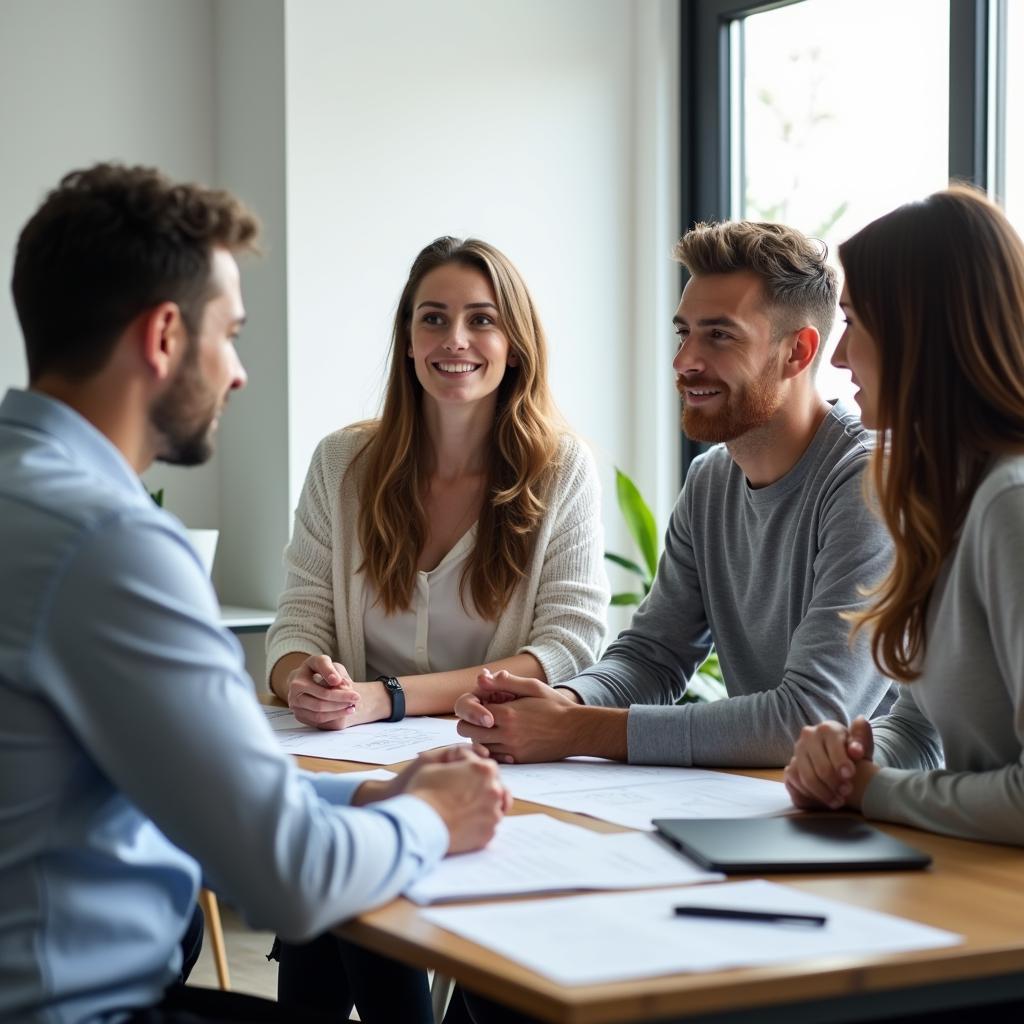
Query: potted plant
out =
(706, 683)
(204, 541)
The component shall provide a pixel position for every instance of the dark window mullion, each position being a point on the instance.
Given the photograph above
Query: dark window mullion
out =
(968, 91)
(997, 173)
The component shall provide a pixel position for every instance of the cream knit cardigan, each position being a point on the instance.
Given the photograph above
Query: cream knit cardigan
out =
(557, 612)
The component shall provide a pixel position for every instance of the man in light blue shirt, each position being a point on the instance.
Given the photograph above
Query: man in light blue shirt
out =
(133, 756)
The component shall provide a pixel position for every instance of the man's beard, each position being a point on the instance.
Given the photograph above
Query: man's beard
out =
(184, 414)
(741, 411)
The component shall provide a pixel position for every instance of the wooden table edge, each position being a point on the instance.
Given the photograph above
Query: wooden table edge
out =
(679, 994)
(683, 994)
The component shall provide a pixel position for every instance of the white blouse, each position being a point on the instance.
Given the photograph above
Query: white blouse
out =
(556, 612)
(436, 633)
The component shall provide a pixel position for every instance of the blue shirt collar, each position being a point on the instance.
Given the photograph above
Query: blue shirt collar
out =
(89, 446)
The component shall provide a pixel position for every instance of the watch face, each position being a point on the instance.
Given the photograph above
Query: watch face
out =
(392, 684)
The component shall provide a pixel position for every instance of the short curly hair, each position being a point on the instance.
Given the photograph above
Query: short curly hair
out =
(108, 243)
(799, 285)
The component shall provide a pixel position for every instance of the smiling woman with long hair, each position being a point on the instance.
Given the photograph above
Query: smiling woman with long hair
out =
(934, 301)
(460, 530)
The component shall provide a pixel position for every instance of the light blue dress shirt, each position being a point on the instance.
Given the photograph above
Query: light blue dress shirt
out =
(133, 755)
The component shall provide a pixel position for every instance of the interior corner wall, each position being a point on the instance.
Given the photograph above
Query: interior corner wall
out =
(126, 80)
(360, 132)
(510, 122)
(249, 96)
(656, 445)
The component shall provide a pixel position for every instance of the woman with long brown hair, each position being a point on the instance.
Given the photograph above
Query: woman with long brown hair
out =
(460, 530)
(934, 302)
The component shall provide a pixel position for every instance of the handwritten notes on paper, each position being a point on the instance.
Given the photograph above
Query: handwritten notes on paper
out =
(632, 795)
(373, 743)
(533, 853)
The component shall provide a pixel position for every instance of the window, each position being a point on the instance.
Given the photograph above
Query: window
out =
(1009, 171)
(827, 113)
(835, 122)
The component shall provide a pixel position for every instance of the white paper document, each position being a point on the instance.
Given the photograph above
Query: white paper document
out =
(376, 774)
(582, 940)
(374, 743)
(632, 794)
(533, 853)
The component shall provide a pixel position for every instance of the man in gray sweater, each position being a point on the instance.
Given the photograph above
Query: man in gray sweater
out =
(770, 541)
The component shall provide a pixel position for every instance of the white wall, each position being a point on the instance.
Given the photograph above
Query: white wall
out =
(654, 410)
(548, 129)
(360, 132)
(256, 507)
(509, 122)
(129, 80)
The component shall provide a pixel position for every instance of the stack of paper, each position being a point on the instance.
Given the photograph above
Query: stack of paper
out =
(374, 743)
(631, 795)
(533, 853)
(584, 940)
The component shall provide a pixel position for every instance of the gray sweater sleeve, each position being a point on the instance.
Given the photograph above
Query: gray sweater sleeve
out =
(980, 714)
(905, 737)
(652, 661)
(822, 676)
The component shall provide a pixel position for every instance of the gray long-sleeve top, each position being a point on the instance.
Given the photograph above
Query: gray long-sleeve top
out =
(764, 574)
(970, 696)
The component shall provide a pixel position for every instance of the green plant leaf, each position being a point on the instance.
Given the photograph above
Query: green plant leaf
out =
(704, 689)
(711, 667)
(626, 598)
(639, 519)
(626, 564)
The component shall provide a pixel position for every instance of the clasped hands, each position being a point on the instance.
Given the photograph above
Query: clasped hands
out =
(517, 719)
(831, 765)
(460, 783)
(321, 693)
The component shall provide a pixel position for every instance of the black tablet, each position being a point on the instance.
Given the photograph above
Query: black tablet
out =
(802, 842)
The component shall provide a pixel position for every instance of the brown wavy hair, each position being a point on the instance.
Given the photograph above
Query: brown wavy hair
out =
(394, 464)
(939, 285)
(799, 286)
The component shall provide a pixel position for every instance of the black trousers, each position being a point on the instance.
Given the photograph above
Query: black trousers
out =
(331, 975)
(191, 1005)
(192, 944)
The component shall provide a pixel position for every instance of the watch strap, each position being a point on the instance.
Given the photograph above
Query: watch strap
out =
(397, 695)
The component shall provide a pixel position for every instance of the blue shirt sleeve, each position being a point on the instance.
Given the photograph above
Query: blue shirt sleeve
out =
(129, 651)
(334, 787)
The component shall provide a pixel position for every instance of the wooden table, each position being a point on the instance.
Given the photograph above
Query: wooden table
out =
(975, 889)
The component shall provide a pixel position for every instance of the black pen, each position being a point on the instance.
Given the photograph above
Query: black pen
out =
(765, 916)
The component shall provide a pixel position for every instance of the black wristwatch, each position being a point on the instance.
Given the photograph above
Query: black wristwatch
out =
(397, 695)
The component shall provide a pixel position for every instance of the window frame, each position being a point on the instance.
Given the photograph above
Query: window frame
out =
(706, 102)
